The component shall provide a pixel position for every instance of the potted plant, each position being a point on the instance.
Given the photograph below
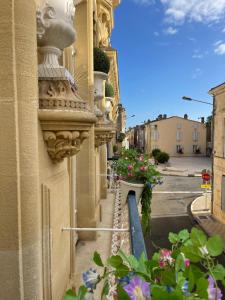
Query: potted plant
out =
(101, 70)
(136, 173)
(187, 271)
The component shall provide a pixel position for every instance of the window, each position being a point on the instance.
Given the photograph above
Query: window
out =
(179, 126)
(180, 149)
(179, 136)
(155, 135)
(195, 135)
(196, 149)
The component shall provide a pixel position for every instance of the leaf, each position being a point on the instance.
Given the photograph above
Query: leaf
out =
(192, 253)
(131, 260)
(97, 259)
(215, 245)
(202, 286)
(218, 272)
(173, 238)
(121, 293)
(105, 289)
(193, 274)
(156, 256)
(122, 271)
(168, 277)
(183, 235)
(115, 261)
(159, 293)
(179, 265)
(198, 237)
(82, 292)
(70, 295)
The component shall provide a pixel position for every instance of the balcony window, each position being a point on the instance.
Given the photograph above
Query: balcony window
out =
(195, 136)
(180, 149)
(179, 136)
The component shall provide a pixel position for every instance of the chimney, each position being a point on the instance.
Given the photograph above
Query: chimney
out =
(186, 116)
(160, 117)
(202, 120)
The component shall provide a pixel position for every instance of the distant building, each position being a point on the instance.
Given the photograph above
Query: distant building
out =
(175, 135)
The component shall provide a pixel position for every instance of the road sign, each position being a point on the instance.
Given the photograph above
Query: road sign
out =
(206, 186)
(206, 176)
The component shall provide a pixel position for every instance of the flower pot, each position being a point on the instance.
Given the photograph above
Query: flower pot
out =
(99, 88)
(125, 187)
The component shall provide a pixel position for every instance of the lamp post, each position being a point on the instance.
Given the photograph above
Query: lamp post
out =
(212, 136)
(191, 99)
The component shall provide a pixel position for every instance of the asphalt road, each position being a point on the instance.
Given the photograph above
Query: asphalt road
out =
(170, 204)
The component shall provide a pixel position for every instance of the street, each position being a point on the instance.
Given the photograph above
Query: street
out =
(170, 203)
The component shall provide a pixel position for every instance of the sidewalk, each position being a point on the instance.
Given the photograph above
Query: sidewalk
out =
(185, 166)
(201, 212)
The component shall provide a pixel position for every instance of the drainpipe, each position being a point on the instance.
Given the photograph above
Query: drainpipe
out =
(213, 134)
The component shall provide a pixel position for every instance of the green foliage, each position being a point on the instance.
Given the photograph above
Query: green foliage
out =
(155, 152)
(162, 157)
(101, 61)
(109, 90)
(174, 279)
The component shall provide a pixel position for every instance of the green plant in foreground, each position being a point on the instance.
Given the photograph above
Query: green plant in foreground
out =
(101, 61)
(187, 271)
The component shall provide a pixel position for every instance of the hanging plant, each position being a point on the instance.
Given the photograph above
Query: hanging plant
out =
(101, 61)
(109, 90)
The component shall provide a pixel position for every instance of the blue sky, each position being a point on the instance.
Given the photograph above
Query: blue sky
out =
(168, 49)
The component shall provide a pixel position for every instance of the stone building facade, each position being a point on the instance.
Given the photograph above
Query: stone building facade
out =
(175, 135)
(53, 141)
(218, 204)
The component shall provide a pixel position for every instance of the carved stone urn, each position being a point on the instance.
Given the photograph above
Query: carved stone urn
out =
(64, 116)
(99, 87)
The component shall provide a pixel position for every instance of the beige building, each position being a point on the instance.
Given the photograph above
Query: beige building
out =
(54, 137)
(175, 135)
(218, 206)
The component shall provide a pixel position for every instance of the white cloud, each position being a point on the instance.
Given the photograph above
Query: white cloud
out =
(170, 30)
(197, 55)
(220, 49)
(197, 73)
(217, 43)
(223, 30)
(206, 11)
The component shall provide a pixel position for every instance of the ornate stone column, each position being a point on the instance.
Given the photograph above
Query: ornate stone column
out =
(103, 170)
(20, 222)
(86, 206)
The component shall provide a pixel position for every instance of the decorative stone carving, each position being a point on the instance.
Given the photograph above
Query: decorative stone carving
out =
(59, 94)
(61, 144)
(102, 137)
(104, 29)
(65, 117)
(55, 23)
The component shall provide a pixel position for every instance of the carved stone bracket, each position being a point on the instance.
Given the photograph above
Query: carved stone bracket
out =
(61, 144)
(103, 133)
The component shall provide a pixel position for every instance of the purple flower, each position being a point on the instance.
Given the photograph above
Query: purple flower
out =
(138, 289)
(91, 278)
(213, 292)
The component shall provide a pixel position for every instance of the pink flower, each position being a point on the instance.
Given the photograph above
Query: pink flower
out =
(129, 174)
(142, 168)
(141, 158)
(130, 167)
(187, 263)
(165, 258)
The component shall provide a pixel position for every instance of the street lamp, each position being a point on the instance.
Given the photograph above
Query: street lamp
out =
(130, 117)
(191, 99)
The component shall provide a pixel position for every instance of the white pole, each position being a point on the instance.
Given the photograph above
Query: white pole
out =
(96, 229)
